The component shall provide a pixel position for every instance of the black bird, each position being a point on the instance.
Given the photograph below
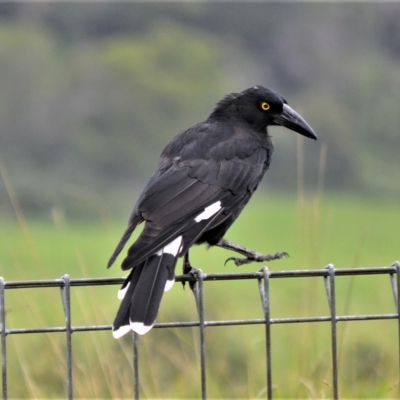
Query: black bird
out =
(204, 178)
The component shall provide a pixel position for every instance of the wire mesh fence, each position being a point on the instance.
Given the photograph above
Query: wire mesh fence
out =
(264, 279)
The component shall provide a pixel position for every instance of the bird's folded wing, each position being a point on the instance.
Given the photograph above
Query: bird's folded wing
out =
(174, 198)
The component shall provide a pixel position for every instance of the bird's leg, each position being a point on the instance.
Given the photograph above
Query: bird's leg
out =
(251, 255)
(187, 269)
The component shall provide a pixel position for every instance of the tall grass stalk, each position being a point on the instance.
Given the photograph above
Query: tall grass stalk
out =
(12, 195)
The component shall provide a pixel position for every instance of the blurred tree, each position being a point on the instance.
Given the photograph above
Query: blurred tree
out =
(93, 91)
(99, 115)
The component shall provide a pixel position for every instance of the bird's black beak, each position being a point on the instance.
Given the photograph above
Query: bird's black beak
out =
(293, 121)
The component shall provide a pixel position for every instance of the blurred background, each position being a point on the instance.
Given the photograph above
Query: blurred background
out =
(90, 95)
(92, 92)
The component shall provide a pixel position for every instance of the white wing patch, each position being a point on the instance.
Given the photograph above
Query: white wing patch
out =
(173, 247)
(209, 211)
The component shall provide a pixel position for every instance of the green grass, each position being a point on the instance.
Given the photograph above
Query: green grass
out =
(348, 232)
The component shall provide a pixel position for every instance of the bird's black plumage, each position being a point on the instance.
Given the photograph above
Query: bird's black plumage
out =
(204, 178)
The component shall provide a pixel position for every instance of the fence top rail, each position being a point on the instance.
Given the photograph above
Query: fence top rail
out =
(60, 282)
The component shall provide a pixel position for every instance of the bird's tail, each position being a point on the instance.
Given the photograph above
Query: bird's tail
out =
(142, 291)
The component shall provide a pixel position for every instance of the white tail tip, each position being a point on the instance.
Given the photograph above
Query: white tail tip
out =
(140, 328)
(121, 331)
(122, 292)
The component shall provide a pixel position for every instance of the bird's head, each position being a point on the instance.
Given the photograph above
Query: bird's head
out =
(262, 107)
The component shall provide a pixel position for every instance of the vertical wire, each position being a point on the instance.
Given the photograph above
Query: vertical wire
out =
(330, 290)
(397, 298)
(135, 366)
(199, 294)
(66, 300)
(3, 339)
(393, 282)
(263, 287)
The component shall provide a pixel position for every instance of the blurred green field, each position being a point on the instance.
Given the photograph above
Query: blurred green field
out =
(315, 231)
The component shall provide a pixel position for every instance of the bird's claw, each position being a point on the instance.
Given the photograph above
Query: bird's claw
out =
(192, 272)
(257, 258)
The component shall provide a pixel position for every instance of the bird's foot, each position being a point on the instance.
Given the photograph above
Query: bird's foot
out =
(257, 257)
(250, 255)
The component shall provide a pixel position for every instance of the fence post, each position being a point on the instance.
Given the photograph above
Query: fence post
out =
(263, 286)
(330, 291)
(199, 295)
(66, 301)
(396, 294)
(135, 365)
(3, 339)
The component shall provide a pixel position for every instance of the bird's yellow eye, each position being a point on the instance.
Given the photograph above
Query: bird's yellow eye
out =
(265, 106)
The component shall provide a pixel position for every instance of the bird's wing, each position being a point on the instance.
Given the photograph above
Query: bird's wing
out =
(170, 207)
(195, 187)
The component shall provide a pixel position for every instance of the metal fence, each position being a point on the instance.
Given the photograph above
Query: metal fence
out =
(264, 277)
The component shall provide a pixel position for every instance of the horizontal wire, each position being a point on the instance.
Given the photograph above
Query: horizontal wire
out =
(189, 324)
(206, 277)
